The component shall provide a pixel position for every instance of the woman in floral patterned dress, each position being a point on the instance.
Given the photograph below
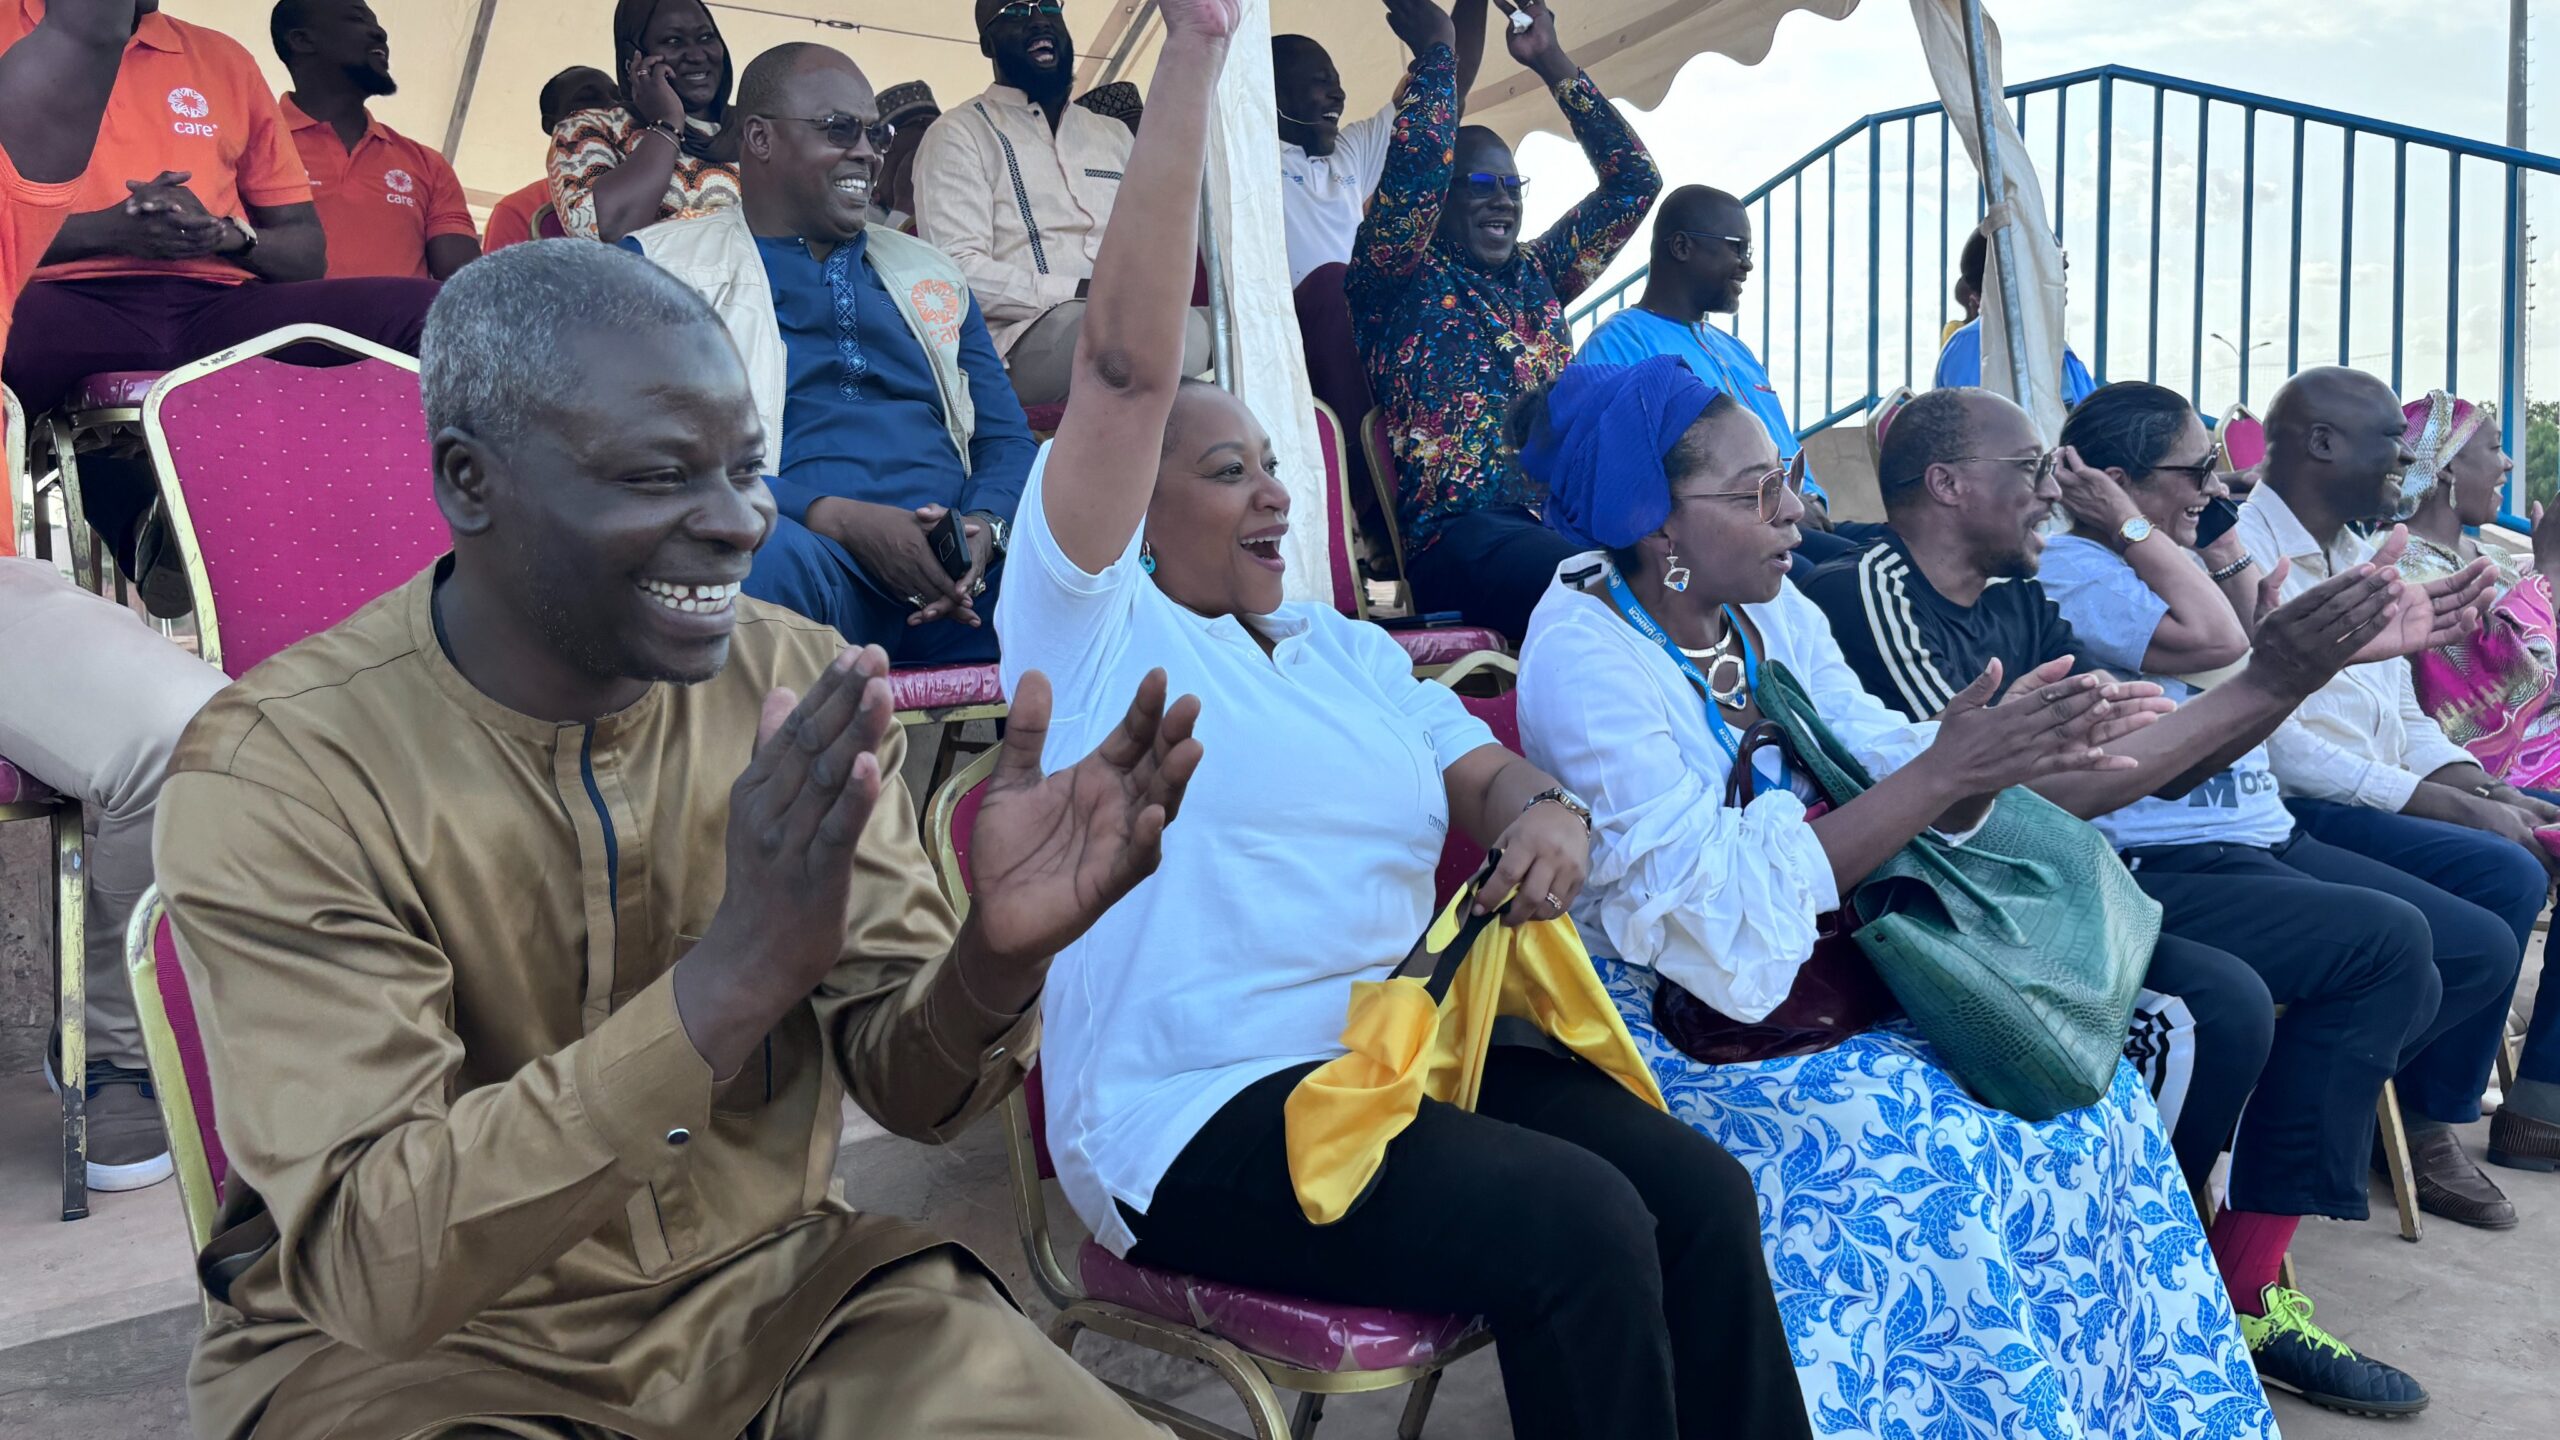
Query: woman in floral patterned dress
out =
(663, 153)
(1943, 1268)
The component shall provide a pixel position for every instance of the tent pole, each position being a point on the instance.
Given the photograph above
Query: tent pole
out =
(470, 79)
(1222, 329)
(1995, 185)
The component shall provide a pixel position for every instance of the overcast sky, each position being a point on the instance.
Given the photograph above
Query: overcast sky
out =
(2440, 65)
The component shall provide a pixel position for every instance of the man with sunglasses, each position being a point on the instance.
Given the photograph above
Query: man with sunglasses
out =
(886, 413)
(1951, 587)
(1016, 184)
(1456, 317)
(1701, 260)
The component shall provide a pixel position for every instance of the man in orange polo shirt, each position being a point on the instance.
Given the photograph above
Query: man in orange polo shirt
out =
(390, 205)
(580, 87)
(91, 700)
(192, 230)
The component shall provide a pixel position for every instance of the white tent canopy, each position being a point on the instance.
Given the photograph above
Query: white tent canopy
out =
(469, 69)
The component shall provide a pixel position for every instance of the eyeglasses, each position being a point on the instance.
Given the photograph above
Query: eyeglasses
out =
(1486, 184)
(1025, 9)
(846, 131)
(1741, 243)
(1786, 479)
(2199, 474)
(2039, 466)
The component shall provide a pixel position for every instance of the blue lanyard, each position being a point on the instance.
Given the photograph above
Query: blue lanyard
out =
(1650, 629)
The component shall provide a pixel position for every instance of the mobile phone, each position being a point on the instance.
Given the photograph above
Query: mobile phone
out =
(948, 546)
(2220, 514)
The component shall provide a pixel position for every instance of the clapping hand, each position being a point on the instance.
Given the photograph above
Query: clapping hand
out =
(1051, 852)
(2051, 723)
(2436, 613)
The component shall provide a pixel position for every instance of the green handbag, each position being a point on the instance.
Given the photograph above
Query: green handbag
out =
(2016, 953)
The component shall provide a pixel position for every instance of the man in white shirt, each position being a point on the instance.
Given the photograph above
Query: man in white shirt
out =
(2366, 770)
(1016, 184)
(1332, 167)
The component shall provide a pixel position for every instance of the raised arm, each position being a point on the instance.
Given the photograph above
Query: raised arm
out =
(1405, 211)
(1101, 471)
(54, 86)
(1578, 247)
(2202, 630)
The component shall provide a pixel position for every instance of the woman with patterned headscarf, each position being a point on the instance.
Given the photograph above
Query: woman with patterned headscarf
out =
(2492, 694)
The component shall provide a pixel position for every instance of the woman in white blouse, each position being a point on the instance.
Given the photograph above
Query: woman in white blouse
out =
(1608, 1246)
(1934, 1258)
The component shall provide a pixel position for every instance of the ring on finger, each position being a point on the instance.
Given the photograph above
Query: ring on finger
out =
(1553, 903)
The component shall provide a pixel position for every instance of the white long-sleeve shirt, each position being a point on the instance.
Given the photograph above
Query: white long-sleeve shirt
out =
(1021, 208)
(2361, 739)
(1721, 901)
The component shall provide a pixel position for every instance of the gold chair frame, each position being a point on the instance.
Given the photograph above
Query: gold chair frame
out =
(61, 437)
(169, 1075)
(70, 882)
(173, 489)
(1257, 1380)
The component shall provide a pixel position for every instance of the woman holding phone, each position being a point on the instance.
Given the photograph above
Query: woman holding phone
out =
(663, 153)
(1611, 1249)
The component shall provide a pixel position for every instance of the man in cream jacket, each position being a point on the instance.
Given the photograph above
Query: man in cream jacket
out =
(886, 410)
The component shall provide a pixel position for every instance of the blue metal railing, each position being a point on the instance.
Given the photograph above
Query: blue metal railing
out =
(1810, 325)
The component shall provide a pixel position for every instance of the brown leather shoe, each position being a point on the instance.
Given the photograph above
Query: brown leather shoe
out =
(2452, 1184)
(2521, 1142)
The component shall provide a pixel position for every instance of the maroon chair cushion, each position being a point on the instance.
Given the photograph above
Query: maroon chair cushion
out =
(940, 687)
(1448, 644)
(17, 787)
(179, 1006)
(310, 492)
(1044, 419)
(1343, 571)
(1309, 1334)
(111, 390)
(1459, 854)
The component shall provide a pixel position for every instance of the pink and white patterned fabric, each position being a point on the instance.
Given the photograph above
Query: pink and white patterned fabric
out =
(309, 491)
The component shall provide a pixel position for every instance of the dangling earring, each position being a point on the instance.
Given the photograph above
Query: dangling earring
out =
(1675, 576)
(1147, 556)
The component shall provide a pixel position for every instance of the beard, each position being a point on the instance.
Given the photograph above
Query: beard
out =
(1043, 86)
(372, 81)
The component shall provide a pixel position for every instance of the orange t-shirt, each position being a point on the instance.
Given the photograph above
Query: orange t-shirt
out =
(30, 213)
(186, 98)
(511, 219)
(381, 202)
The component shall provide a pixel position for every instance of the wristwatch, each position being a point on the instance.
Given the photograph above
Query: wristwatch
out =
(999, 529)
(1565, 798)
(2134, 531)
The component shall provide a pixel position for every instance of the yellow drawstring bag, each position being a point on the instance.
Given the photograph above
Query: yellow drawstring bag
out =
(1425, 1030)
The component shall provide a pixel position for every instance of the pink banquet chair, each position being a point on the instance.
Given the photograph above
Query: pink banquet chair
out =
(296, 493)
(174, 1049)
(1258, 1341)
(1433, 648)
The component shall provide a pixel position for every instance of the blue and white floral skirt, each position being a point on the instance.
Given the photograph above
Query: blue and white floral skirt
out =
(1948, 1270)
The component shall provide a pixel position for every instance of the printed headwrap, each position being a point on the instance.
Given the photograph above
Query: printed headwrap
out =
(2439, 426)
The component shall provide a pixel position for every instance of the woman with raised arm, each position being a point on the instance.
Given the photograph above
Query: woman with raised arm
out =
(1609, 1247)
(1940, 1263)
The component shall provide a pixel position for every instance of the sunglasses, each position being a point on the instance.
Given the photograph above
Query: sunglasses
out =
(1025, 9)
(846, 131)
(1741, 244)
(2199, 474)
(1487, 184)
(1782, 480)
(2038, 467)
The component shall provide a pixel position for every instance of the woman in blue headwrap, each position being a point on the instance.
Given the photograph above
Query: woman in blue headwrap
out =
(1938, 1263)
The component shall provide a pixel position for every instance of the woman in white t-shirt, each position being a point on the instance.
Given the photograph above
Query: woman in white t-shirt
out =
(1938, 1261)
(1608, 1246)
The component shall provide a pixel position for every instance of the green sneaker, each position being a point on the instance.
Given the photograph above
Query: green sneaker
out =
(2293, 1354)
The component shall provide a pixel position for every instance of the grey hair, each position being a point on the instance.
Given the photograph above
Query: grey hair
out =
(494, 340)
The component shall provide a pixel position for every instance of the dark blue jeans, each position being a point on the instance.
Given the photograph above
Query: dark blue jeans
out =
(802, 570)
(2481, 895)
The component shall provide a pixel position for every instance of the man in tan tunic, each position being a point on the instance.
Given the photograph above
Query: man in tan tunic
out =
(528, 1026)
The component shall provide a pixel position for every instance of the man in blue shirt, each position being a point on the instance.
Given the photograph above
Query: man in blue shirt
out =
(1960, 363)
(885, 407)
(1701, 257)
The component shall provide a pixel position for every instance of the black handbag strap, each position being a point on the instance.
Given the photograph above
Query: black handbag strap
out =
(1438, 970)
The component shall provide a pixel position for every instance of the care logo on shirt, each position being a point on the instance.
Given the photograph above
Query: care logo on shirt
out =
(937, 307)
(400, 183)
(190, 106)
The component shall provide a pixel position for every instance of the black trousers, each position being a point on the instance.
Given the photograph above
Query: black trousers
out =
(2354, 967)
(1491, 567)
(2205, 1050)
(1614, 1251)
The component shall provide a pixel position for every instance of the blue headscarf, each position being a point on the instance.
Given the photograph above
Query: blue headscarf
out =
(1601, 449)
